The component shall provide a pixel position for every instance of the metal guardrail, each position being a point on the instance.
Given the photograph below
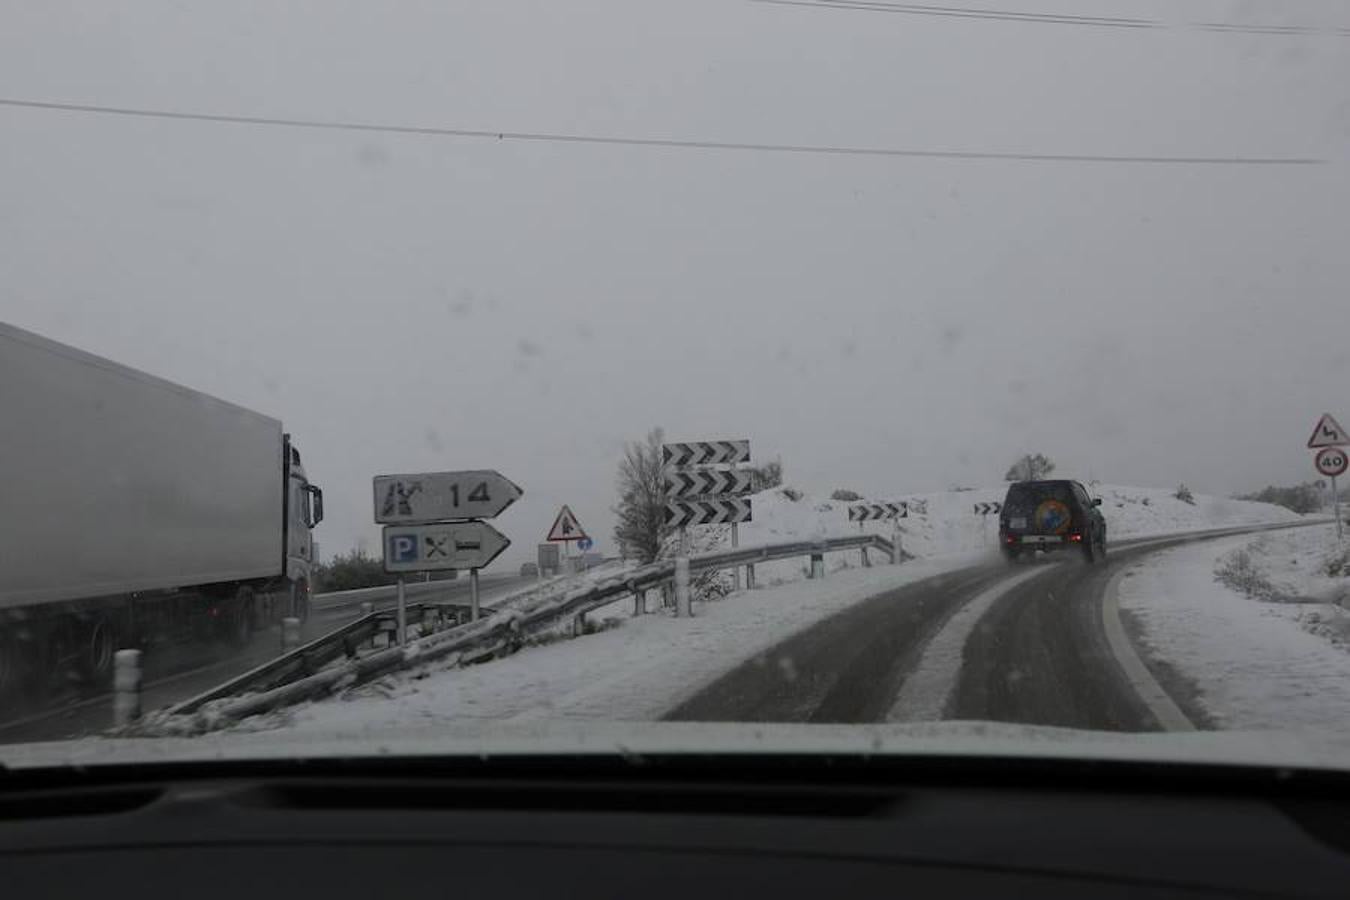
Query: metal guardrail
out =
(312, 657)
(299, 676)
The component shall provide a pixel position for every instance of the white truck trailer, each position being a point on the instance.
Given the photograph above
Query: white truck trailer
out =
(134, 510)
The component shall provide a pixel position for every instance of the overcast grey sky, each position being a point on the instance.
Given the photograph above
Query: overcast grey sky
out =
(888, 324)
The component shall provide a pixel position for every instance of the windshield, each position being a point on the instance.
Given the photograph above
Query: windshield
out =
(667, 371)
(1023, 499)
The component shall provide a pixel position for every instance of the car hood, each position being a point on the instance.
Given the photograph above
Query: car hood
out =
(973, 740)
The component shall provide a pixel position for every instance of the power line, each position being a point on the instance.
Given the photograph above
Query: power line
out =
(959, 12)
(1001, 15)
(663, 143)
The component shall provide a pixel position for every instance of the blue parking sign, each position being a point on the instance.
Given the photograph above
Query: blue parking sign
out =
(403, 548)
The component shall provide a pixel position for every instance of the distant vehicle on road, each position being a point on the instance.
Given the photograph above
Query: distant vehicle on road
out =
(528, 569)
(1051, 515)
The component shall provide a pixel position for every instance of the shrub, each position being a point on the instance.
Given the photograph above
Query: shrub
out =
(845, 496)
(1301, 498)
(1239, 571)
(769, 475)
(1184, 494)
(1337, 565)
(349, 572)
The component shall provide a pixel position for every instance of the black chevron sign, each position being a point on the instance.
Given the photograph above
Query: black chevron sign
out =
(705, 453)
(984, 509)
(680, 513)
(868, 511)
(686, 485)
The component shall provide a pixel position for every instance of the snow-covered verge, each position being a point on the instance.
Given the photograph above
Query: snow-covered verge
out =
(1279, 662)
(636, 672)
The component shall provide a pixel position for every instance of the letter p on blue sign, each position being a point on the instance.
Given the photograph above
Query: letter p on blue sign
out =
(403, 548)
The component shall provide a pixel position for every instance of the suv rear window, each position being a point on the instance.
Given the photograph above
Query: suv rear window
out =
(1023, 499)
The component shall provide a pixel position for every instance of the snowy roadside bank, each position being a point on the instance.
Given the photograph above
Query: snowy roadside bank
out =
(634, 672)
(1253, 663)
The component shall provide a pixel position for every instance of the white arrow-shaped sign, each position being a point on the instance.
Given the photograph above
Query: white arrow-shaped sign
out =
(450, 545)
(437, 496)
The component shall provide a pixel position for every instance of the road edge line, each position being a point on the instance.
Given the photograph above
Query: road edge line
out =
(1160, 704)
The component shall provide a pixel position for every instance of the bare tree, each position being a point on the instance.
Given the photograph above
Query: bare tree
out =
(1032, 467)
(769, 475)
(641, 510)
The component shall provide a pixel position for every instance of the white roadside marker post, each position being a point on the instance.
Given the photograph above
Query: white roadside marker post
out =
(126, 687)
(290, 634)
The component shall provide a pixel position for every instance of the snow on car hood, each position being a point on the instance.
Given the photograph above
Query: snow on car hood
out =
(947, 739)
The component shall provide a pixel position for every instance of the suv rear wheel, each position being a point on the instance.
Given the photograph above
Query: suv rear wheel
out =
(1090, 548)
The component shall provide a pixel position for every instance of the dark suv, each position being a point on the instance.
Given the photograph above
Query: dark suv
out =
(1051, 515)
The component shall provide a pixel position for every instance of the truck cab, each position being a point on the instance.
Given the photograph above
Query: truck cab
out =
(304, 510)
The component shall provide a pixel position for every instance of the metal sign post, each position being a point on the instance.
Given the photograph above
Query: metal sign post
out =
(473, 594)
(1336, 507)
(1333, 461)
(401, 634)
(983, 510)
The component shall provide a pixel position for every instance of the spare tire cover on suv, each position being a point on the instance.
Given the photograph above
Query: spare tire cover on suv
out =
(1051, 517)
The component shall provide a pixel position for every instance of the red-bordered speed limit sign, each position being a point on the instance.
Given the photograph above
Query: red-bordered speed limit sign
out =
(1332, 461)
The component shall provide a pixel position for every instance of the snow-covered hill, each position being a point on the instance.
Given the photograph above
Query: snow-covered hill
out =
(946, 523)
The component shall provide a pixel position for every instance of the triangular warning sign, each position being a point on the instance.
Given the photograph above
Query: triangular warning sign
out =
(566, 527)
(1328, 433)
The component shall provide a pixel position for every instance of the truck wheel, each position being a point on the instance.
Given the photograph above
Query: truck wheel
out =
(97, 647)
(301, 608)
(9, 663)
(239, 622)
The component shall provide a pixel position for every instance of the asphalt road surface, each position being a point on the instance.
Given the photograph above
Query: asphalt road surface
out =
(175, 673)
(1025, 642)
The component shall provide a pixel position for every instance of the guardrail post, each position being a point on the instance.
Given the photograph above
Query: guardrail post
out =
(126, 687)
(290, 633)
(897, 556)
(750, 577)
(817, 563)
(682, 586)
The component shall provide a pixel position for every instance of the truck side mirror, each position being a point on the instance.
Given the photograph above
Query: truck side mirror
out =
(1096, 501)
(316, 505)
